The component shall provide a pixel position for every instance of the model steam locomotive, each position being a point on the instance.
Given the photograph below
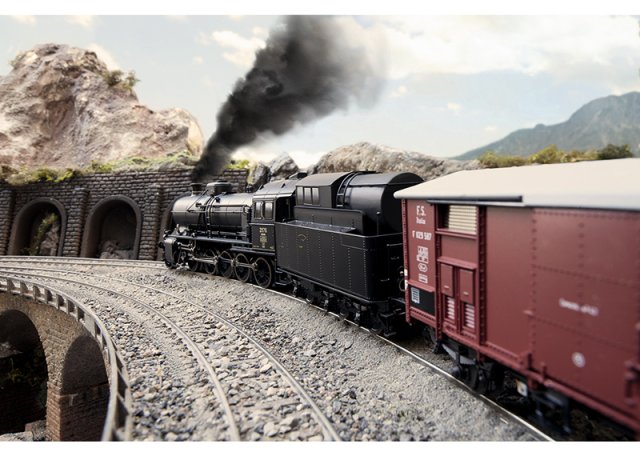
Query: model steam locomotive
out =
(335, 238)
(534, 271)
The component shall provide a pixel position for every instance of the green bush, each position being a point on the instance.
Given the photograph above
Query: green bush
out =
(551, 154)
(492, 160)
(97, 167)
(548, 155)
(579, 155)
(117, 78)
(44, 226)
(112, 78)
(42, 174)
(612, 152)
(239, 164)
(130, 81)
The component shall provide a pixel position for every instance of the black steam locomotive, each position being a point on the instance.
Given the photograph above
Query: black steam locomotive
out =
(335, 239)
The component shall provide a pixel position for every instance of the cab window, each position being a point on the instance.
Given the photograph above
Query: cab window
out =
(258, 208)
(268, 210)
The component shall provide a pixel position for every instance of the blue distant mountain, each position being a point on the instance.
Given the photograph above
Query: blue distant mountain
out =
(609, 120)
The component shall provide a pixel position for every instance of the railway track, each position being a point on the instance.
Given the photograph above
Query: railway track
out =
(438, 368)
(204, 339)
(145, 333)
(245, 375)
(40, 261)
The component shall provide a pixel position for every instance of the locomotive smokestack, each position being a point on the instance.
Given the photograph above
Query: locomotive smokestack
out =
(197, 188)
(308, 69)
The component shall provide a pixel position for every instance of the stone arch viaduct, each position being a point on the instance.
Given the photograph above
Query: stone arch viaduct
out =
(65, 371)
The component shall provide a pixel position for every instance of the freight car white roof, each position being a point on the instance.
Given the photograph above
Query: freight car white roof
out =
(605, 184)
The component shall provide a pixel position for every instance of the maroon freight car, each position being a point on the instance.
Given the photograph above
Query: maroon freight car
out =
(536, 270)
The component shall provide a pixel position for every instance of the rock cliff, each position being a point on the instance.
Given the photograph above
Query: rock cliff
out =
(279, 168)
(61, 107)
(372, 157)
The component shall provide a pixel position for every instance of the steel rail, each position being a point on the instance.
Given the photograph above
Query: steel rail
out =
(83, 261)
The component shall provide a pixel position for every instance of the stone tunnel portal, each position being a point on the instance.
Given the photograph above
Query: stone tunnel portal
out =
(113, 229)
(39, 229)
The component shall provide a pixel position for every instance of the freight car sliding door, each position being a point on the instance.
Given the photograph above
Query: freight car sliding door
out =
(585, 303)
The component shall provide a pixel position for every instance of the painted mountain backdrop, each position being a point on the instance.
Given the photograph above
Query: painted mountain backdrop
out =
(609, 120)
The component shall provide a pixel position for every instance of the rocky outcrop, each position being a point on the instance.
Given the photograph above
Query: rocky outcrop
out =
(372, 157)
(279, 168)
(61, 107)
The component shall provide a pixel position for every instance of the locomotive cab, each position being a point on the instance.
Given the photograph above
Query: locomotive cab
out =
(273, 202)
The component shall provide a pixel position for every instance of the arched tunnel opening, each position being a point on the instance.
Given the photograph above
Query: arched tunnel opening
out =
(38, 230)
(113, 230)
(23, 373)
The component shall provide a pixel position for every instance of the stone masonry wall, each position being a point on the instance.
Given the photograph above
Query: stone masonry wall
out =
(153, 192)
(79, 416)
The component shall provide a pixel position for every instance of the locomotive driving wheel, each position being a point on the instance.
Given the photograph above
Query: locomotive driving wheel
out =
(225, 264)
(242, 268)
(211, 268)
(263, 273)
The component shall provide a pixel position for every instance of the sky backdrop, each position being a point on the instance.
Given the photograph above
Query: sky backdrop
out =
(451, 83)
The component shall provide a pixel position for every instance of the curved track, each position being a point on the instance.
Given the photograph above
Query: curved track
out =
(211, 352)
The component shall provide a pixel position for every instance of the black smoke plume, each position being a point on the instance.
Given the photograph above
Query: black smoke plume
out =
(308, 69)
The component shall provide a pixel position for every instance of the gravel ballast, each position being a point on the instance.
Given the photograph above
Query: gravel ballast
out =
(369, 390)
